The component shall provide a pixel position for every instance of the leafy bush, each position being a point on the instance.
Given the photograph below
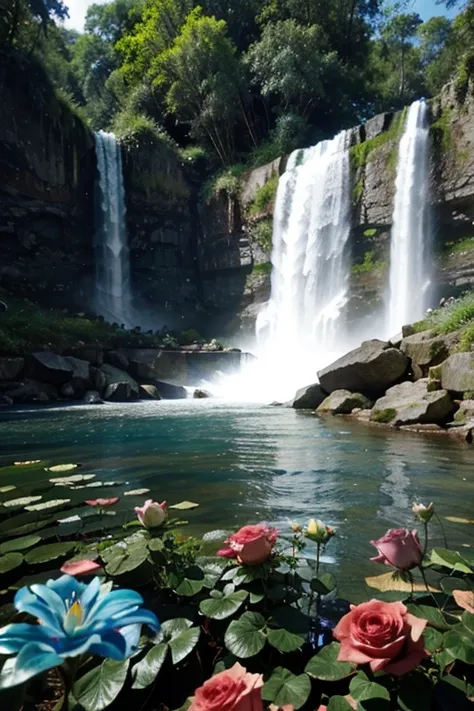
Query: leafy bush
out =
(264, 197)
(262, 233)
(449, 318)
(368, 265)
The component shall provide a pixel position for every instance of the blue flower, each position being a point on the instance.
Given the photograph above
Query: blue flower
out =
(74, 618)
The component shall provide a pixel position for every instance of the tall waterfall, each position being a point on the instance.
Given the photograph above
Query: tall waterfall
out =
(111, 245)
(409, 246)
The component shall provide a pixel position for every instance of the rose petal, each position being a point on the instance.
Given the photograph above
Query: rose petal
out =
(465, 599)
(81, 567)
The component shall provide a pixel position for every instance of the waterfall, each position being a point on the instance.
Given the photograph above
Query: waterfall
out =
(111, 246)
(311, 227)
(409, 248)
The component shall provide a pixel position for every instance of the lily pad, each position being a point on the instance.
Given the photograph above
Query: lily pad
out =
(22, 501)
(45, 505)
(70, 519)
(45, 554)
(10, 561)
(61, 468)
(73, 479)
(136, 492)
(7, 488)
(184, 506)
(27, 463)
(98, 484)
(456, 519)
(19, 544)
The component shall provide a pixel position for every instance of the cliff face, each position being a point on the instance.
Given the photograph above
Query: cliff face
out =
(47, 165)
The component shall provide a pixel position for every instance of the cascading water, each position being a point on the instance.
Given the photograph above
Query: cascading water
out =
(409, 246)
(111, 245)
(302, 329)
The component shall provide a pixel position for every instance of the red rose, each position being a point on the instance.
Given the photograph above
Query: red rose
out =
(382, 634)
(251, 545)
(399, 548)
(232, 690)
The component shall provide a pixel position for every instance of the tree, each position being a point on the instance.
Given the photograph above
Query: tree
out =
(398, 35)
(110, 21)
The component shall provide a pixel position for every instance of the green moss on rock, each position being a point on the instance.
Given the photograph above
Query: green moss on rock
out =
(383, 416)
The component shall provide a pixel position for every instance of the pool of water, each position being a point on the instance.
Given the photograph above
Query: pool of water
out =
(246, 463)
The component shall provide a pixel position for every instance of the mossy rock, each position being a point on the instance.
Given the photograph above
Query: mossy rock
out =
(50, 552)
(384, 416)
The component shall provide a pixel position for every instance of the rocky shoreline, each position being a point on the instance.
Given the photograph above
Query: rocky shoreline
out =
(419, 381)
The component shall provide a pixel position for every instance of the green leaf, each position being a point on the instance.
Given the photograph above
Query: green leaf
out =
(442, 659)
(415, 692)
(324, 584)
(98, 688)
(5, 489)
(46, 505)
(61, 468)
(188, 587)
(285, 641)
(460, 644)
(283, 687)
(22, 501)
(73, 479)
(370, 695)
(219, 609)
(433, 639)
(127, 557)
(325, 666)
(10, 561)
(19, 544)
(434, 616)
(292, 619)
(468, 621)
(147, 669)
(255, 598)
(246, 637)
(184, 506)
(172, 628)
(338, 703)
(53, 551)
(184, 643)
(449, 559)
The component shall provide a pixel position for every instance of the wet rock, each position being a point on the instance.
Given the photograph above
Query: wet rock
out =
(48, 367)
(465, 412)
(98, 379)
(11, 368)
(343, 402)
(426, 350)
(149, 392)
(67, 391)
(92, 397)
(168, 391)
(464, 432)
(32, 391)
(412, 403)
(6, 401)
(93, 354)
(81, 374)
(120, 392)
(200, 394)
(308, 398)
(115, 376)
(117, 359)
(369, 369)
(457, 373)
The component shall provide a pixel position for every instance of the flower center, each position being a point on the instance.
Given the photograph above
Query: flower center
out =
(74, 617)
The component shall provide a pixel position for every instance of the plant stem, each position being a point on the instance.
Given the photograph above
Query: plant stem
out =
(425, 547)
(442, 530)
(427, 586)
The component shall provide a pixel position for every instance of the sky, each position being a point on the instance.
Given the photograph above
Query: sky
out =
(78, 8)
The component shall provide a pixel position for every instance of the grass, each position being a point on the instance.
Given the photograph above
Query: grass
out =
(466, 342)
(360, 153)
(26, 327)
(264, 196)
(463, 246)
(262, 233)
(457, 317)
(265, 268)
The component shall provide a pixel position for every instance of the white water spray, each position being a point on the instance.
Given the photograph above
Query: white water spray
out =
(111, 246)
(409, 247)
(302, 328)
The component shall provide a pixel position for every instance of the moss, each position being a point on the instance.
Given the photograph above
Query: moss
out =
(384, 416)
(368, 265)
(464, 72)
(441, 130)
(227, 181)
(468, 395)
(370, 232)
(262, 233)
(464, 245)
(358, 189)
(466, 342)
(264, 197)
(360, 153)
(265, 268)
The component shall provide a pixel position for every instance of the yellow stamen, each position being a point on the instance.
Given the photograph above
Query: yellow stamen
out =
(74, 616)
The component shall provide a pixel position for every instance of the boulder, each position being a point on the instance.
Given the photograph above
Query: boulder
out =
(426, 350)
(117, 359)
(5, 401)
(465, 412)
(149, 392)
(411, 403)
(98, 379)
(148, 364)
(342, 402)
(93, 354)
(67, 391)
(308, 398)
(168, 391)
(465, 432)
(47, 367)
(10, 368)
(32, 391)
(457, 373)
(200, 394)
(81, 374)
(92, 397)
(120, 392)
(114, 376)
(369, 369)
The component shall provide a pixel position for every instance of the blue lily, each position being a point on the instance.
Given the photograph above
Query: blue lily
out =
(74, 618)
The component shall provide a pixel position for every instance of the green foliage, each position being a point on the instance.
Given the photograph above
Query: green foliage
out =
(464, 245)
(361, 151)
(371, 232)
(262, 233)
(264, 197)
(450, 318)
(368, 265)
(466, 342)
(441, 130)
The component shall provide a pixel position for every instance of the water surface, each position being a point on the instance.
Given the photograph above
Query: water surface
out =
(245, 463)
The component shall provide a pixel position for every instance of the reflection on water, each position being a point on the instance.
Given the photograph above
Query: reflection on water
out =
(246, 463)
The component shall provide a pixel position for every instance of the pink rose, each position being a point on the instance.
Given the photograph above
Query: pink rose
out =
(251, 545)
(382, 634)
(234, 689)
(399, 548)
(152, 514)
